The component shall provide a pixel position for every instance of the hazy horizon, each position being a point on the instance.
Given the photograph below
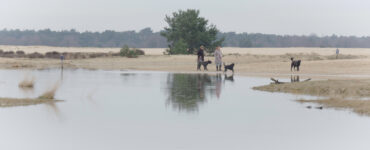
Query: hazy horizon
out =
(282, 17)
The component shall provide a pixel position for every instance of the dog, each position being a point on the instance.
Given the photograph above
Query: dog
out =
(204, 64)
(229, 67)
(295, 64)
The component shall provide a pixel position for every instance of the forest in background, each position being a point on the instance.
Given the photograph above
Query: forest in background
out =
(146, 38)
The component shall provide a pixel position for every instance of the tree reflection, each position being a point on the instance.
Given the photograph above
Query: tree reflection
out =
(187, 91)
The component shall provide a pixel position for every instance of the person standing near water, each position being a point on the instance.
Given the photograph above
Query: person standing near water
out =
(200, 58)
(337, 52)
(218, 58)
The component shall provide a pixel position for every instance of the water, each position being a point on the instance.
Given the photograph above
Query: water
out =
(164, 111)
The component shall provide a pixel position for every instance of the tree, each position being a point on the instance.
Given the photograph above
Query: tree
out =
(192, 29)
(178, 47)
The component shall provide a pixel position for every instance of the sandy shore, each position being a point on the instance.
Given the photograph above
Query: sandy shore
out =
(269, 62)
(349, 75)
(252, 65)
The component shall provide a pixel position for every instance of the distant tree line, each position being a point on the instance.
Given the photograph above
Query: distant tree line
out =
(146, 38)
(233, 39)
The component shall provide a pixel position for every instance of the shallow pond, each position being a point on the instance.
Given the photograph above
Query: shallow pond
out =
(118, 110)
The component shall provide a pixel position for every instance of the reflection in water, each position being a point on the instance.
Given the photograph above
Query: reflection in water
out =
(55, 109)
(28, 92)
(218, 85)
(128, 74)
(61, 74)
(187, 91)
(229, 78)
(294, 78)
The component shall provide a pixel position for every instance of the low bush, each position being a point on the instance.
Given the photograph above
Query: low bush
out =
(130, 53)
(53, 54)
(35, 55)
(20, 53)
(9, 54)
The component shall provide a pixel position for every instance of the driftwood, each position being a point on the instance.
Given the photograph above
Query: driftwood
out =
(278, 82)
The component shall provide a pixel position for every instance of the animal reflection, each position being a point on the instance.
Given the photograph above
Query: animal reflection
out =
(294, 79)
(187, 92)
(229, 78)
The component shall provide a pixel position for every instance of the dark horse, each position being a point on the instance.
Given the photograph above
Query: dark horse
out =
(295, 64)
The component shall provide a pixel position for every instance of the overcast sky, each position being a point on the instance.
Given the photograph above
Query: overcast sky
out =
(322, 17)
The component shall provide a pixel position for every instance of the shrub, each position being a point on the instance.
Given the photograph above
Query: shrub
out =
(124, 50)
(35, 55)
(9, 54)
(130, 53)
(97, 55)
(139, 52)
(114, 54)
(20, 53)
(53, 54)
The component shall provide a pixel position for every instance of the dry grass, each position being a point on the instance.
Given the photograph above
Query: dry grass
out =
(27, 82)
(341, 94)
(12, 102)
(328, 88)
(47, 97)
(361, 107)
(49, 94)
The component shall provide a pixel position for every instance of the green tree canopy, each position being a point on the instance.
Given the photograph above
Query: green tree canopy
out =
(188, 27)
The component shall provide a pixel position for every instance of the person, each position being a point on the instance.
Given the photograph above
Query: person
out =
(337, 52)
(218, 58)
(200, 58)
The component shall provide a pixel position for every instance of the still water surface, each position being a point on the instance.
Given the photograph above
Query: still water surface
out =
(118, 110)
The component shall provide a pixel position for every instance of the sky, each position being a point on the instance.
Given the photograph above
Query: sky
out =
(284, 17)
